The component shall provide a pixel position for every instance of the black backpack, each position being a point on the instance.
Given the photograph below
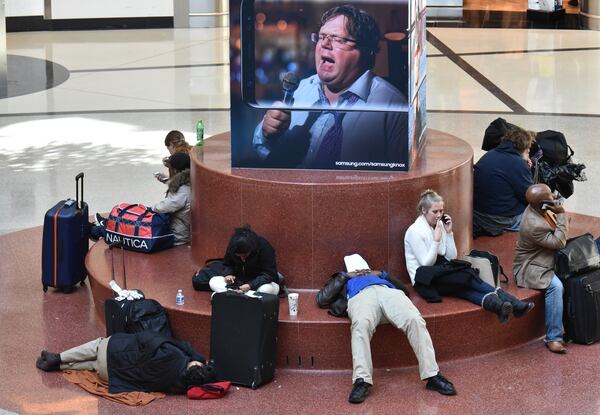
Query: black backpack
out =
(146, 315)
(555, 150)
(212, 268)
(494, 133)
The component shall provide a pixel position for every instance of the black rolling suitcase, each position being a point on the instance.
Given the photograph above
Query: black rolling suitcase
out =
(133, 316)
(65, 242)
(581, 314)
(243, 337)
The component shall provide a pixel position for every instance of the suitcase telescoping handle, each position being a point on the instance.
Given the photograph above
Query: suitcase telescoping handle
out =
(112, 262)
(78, 183)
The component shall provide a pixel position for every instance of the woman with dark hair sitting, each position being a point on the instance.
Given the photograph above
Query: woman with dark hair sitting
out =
(140, 362)
(249, 264)
(429, 241)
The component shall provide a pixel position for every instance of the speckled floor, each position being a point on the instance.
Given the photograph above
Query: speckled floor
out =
(127, 88)
(524, 380)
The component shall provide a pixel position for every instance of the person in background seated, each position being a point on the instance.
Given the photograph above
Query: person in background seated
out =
(544, 229)
(501, 178)
(371, 298)
(175, 143)
(177, 202)
(142, 362)
(429, 241)
(249, 264)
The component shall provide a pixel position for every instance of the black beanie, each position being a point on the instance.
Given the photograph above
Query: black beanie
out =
(180, 161)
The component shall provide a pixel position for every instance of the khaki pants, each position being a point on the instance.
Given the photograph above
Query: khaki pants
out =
(88, 356)
(377, 304)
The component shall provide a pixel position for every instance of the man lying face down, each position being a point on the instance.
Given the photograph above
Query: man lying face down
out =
(374, 297)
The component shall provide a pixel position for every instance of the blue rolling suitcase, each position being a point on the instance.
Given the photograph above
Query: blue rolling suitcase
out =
(65, 242)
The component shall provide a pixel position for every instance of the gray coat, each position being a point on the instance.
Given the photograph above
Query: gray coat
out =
(177, 203)
(533, 266)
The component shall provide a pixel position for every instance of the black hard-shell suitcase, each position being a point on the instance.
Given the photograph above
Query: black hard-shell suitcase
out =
(243, 337)
(127, 316)
(581, 314)
(65, 242)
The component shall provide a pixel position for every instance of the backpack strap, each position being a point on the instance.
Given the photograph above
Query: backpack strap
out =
(503, 274)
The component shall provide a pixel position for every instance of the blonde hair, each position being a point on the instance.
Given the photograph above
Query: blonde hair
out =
(427, 199)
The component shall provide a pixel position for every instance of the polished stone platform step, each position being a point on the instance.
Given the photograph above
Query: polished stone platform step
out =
(315, 340)
(314, 218)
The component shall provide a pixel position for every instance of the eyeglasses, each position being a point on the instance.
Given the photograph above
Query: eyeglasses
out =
(337, 42)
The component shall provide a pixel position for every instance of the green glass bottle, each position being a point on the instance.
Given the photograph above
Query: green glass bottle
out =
(199, 133)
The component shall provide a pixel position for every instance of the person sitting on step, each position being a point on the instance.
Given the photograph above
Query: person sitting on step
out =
(543, 231)
(249, 264)
(177, 203)
(428, 242)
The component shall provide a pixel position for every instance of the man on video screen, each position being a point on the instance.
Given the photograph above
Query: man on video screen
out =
(345, 51)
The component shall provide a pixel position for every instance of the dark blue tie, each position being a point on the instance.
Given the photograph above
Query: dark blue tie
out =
(330, 149)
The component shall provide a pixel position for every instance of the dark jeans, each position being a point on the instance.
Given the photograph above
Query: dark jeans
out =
(478, 289)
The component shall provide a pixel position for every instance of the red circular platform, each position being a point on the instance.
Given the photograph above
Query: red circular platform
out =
(315, 218)
(314, 340)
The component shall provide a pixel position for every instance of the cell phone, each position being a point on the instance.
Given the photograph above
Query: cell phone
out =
(544, 204)
(445, 219)
(161, 177)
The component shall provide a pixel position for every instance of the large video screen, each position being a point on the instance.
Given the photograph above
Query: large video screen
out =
(318, 85)
(280, 40)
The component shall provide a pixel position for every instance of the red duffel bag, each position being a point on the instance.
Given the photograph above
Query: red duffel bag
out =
(138, 228)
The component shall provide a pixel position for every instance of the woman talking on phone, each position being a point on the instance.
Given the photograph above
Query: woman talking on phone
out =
(429, 241)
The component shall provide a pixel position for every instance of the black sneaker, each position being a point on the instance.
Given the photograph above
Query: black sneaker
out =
(360, 391)
(440, 384)
(48, 362)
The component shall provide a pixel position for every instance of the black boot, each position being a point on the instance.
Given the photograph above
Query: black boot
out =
(493, 303)
(48, 362)
(520, 308)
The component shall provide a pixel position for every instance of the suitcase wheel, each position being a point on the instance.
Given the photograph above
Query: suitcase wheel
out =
(45, 288)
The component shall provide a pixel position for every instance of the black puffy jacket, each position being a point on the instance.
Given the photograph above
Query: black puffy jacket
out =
(333, 294)
(148, 362)
(259, 268)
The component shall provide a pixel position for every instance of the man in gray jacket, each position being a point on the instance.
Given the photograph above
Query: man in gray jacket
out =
(543, 231)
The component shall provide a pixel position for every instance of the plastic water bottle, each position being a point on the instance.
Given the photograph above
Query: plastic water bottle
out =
(199, 133)
(179, 299)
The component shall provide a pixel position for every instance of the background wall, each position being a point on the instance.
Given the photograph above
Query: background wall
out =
(81, 9)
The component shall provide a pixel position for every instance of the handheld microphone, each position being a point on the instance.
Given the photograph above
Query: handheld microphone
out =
(290, 84)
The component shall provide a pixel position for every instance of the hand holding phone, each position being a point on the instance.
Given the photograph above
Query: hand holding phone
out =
(552, 205)
(161, 177)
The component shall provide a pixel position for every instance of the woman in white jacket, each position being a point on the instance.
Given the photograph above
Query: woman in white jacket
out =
(430, 241)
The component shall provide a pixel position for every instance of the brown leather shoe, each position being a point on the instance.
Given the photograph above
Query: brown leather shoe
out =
(556, 347)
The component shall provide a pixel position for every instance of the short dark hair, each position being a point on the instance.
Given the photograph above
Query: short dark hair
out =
(362, 27)
(521, 139)
(180, 161)
(199, 375)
